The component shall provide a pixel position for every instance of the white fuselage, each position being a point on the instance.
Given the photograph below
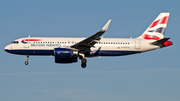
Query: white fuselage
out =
(104, 47)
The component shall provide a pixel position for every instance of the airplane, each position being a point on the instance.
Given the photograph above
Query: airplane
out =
(68, 50)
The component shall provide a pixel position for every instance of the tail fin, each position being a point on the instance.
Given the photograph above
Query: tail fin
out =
(157, 28)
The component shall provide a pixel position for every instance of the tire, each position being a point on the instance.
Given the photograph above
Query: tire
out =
(84, 61)
(26, 62)
(83, 65)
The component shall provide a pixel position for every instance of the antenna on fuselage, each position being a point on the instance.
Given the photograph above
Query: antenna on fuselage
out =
(29, 39)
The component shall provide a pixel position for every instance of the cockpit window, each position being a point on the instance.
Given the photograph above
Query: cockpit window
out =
(15, 42)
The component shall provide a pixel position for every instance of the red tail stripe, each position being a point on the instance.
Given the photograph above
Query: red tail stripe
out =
(154, 24)
(151, 37)
(31, 40)
(163, 21)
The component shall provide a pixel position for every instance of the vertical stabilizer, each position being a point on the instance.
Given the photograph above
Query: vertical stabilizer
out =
(157, 28)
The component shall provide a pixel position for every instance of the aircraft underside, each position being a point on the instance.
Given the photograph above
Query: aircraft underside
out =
(92, 54)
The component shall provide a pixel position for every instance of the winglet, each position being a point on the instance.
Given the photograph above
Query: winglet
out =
(106, 26)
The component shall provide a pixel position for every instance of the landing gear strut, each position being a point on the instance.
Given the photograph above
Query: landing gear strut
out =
(83, 63)
(83, 60)
(27, 58)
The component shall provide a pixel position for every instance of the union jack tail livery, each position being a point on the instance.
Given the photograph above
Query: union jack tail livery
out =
(157, 28)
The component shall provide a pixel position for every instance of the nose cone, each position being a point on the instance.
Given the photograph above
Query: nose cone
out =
(7, 48)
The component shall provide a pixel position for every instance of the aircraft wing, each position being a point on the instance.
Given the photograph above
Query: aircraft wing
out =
(85, 45)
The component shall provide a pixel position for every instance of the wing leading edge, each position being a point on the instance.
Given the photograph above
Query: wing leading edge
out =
(85, 45)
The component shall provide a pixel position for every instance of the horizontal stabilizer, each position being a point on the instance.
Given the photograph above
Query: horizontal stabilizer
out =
(160, 41)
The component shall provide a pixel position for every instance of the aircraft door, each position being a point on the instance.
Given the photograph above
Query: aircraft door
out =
(137, 44)
(26, 45)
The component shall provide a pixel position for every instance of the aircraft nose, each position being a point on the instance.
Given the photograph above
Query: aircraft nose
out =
(7, 48)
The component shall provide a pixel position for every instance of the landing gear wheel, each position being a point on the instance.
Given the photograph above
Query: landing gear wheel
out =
(26, 62)
(83, 65)
(84, 61)
(27, 58)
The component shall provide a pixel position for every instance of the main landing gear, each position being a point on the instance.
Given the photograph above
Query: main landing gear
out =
(27, 58)
(83, 63)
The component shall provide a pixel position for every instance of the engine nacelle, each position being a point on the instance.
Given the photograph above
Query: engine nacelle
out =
(64, 55)
(64, 52)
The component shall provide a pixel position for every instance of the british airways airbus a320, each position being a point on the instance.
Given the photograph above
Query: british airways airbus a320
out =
(68, 50)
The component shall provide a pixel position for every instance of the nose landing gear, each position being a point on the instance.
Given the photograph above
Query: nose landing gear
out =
(27, 58)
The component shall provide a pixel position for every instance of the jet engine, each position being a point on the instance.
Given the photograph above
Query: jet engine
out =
(65, 55)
